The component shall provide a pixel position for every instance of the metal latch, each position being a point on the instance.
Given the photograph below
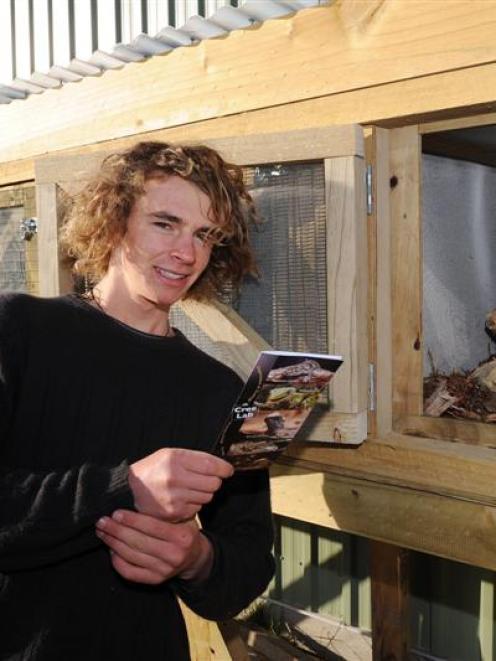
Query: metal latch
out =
(371, 388)
(369, 189)
(29, 227)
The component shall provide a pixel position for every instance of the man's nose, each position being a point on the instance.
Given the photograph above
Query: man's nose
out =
(184, 248)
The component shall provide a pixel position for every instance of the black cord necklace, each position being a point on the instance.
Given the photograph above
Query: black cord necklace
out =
(89, 297)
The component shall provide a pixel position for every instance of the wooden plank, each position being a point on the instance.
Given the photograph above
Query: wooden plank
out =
(457, 123)
(221, 323)
(53, 277)
(305, 144)
(17, 171)
(390, 573)
(347, 280)
(32, 269)
(383, 311)
(458, 94)
(400, 41)
(67, 169)
(464, 431)
(486, 618)
(337, 426)
(205, 640)
(409, 518)
(405, 157)
(448, 469)
(301, 145)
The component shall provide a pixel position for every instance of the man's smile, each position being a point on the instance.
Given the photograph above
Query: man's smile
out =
(170, 275)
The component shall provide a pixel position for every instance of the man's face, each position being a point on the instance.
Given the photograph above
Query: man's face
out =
(164, 250)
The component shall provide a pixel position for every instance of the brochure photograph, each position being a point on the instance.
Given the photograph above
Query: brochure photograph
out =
(277, 398)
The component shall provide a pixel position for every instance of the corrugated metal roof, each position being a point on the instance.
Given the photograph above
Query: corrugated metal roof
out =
(143, 46)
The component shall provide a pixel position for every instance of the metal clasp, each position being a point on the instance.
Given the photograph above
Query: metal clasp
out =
(28, 227)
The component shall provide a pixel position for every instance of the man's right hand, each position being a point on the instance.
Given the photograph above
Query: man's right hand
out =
(174, 483)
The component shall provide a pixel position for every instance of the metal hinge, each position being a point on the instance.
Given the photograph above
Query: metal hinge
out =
(369, 189)
(372, 396)
(28, 228)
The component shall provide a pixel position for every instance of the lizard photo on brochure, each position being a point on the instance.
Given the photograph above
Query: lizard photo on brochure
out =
(276, 399)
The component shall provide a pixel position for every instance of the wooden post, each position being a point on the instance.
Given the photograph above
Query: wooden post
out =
(54, 278)
(389, 572)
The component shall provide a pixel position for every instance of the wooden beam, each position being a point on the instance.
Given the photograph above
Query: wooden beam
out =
(458, 123)
(347, 280)
(205, 640)
(240, 343)
(399, 41)
(380, 264)
(405, 158)
(448, 469)
(301, 145)
(461, 95)
(464, 431)
(390, 579)
(371, 195)
(54, 279)
(383, 310)
(445, 526)
(305, 144)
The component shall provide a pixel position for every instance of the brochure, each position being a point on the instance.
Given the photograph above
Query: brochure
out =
(276, 399)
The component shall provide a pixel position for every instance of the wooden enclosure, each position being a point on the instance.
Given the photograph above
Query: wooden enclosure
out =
(350, 85)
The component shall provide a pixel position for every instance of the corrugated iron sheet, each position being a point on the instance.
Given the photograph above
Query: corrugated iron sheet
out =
(107, 35)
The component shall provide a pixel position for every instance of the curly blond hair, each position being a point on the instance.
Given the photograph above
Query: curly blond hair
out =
(97, 219)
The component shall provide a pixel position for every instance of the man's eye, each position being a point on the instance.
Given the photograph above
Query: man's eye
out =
(163, 224)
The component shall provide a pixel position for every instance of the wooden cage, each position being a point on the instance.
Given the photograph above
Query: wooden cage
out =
(354, 85)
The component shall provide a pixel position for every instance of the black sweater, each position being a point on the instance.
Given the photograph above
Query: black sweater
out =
(81, 397)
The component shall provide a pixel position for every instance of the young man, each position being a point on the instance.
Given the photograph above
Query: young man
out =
(106, 418)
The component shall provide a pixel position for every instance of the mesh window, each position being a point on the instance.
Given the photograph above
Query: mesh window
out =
(13, 276)
(287, 305)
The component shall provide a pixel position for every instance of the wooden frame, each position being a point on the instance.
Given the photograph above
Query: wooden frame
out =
(427, 480)
(390, 68)
(407, 347)
(403, 486)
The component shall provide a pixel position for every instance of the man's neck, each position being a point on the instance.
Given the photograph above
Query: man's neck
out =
(113, 298)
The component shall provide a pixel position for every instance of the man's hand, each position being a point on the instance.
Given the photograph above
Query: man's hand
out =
(148, 550)
(173, 483)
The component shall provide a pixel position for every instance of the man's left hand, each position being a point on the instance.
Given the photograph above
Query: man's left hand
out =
(149, 550)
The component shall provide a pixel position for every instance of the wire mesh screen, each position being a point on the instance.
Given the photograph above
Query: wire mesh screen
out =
(13, 271)
(287, 305)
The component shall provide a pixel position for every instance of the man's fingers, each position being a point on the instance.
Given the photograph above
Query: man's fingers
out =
(154, 537)
(174, 483)
(204, 463)
(198, 482)
(139, 552)
(136, 574)
(122, 520)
